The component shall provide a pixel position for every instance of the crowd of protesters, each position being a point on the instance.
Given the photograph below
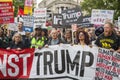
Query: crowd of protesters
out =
(106, 37)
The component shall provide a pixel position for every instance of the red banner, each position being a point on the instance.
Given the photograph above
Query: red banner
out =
(15, 64)
(6, 12)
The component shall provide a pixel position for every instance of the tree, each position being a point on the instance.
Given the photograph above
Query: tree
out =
(88, 5)
(17, 4)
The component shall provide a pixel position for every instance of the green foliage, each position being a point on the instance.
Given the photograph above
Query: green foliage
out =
(17, 4)
(88, 5)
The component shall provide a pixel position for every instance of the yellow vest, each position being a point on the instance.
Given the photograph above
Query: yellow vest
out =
(36, 43)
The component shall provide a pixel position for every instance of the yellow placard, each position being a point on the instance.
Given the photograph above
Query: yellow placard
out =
(28, 10)
(5, 0)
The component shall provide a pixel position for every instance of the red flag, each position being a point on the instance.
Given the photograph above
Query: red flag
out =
(20, 11)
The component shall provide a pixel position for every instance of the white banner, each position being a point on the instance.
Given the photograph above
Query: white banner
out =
(40, 17)
(74, 62)
(101, 16)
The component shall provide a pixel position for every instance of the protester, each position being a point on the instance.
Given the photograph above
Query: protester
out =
(44, 34)
(92, 36)
(27, 39)
(37, 41)
(54, 39)
(67, 38)
(108, 39)
(16, 43)
(20, 28)
(83, 38)
(80, 29)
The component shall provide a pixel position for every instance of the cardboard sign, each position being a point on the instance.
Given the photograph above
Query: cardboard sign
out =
(40, 17)
(101, 16)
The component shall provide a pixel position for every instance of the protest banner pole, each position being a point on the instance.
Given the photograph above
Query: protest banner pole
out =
(74, 28)
(72, 36)
(119, 22)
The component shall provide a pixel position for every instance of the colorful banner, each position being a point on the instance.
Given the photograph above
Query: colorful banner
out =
(15, 64)
(6, 12)
(108, 65)
(101, 16)
(6, 0)
(60, 62)
(40, 17)
(28, 7)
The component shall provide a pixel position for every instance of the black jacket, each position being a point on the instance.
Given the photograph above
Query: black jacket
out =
(108, 42)
(15, 46)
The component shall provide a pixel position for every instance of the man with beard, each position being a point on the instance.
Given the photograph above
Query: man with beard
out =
(108, 39)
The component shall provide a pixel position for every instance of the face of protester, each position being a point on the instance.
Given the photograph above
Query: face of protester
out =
(54, 34)
(107, 29)
(17, 38)
(37, 32)
(20, 24)
(67, 34)
(43, 33)
(81, 36)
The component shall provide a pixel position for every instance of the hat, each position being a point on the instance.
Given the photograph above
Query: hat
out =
(99, 31)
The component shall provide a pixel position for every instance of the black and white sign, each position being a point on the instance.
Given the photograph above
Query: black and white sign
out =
(57, 20)
(28, 23)
(86, 22)
(64, 61)
(72, 16)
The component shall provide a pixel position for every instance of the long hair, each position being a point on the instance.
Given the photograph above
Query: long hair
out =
(86, 40)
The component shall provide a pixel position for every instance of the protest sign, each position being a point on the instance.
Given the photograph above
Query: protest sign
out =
(28, 23)
(59, 62)
(12, 26)
(57, 20)
(64, 61)
(72, 16)
(40, 17)
(15, 64)
(6, 12)
(101, 16)
(86, 22)
(108, 65)
(28, 7)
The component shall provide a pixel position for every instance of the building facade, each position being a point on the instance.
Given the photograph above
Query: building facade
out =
(56, 6)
